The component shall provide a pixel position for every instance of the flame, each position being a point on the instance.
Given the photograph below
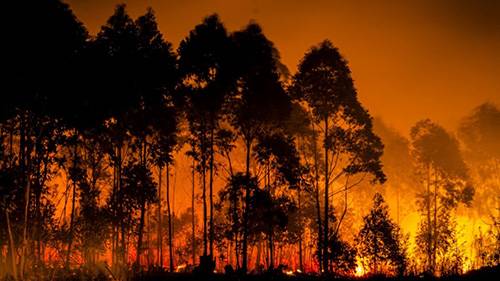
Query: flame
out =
(360, 271)
(180, 267)
(289, 272)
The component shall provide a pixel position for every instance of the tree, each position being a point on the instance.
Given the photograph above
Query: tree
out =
(205, 59)
(141, 67)
(115, 53)
(276, 153)
(260, 102)
(158, 84)
(92, 222)
(377, 240)
(44, 49)
(140, 189)
(341, 255)
(440, 164)
(269, 215)
(324, 83)
(479, 133)
(231, 205)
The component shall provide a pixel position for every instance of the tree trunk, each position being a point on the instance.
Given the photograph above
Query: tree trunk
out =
(204, 198)
(25, 158)
(429, 225)
(244, 265)
(317, 200)
(139, 236)
(27, 197)
(325, 229)
(211, 182)
(193, 223)
(434, 249)
(159, 240)
(73, 203)
(301, 265)
(169, 217)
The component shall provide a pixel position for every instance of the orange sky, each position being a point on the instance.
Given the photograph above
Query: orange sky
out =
(410, 59)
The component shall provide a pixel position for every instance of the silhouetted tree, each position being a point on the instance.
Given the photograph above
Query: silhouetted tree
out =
(341, 256)
(205, 59)
(42, 51)
(378, 241)
(140, 189)
(261, 103)
(440, 164)
(231, 202)
(269, 215)
(324, 82)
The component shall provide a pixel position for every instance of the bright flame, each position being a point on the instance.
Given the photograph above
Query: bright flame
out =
(180, 267)
(360, 271)
(289, 272)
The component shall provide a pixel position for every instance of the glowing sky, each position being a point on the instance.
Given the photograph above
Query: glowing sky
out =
(410, 59)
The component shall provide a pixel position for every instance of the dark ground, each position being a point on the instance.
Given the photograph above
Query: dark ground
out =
(486, 274)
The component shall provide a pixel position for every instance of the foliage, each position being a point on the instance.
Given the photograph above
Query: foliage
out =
(377, 241)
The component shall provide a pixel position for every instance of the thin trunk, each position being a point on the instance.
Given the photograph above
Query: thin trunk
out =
(169, 217)
(244, 265)
(317, 201)
(27, 196)
(211, 181)
(429, 225)
(124, 250)
(148, 239)
(325, 229)
(204, 198)
(114, 241)
(301, 265)
(139, 236)
(193, 223)
(73, 203)
(159, 242)
(434, 250)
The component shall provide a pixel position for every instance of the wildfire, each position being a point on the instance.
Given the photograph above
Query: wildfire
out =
(180, 268)
(360, 271)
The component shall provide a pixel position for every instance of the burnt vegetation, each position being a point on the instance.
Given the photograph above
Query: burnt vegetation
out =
(94, 128)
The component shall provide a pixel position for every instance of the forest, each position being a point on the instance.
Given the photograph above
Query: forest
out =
(122, 158)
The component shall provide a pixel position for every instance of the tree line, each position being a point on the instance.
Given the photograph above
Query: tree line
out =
(106, 115)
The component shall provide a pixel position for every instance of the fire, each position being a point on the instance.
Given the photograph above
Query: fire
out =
(180, 268)
(359, 271)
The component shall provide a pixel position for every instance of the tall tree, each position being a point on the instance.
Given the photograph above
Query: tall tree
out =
(479, 132)
(205, 59)
(350, 147)
(440, 164)
(43, 51)
(260, 103)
